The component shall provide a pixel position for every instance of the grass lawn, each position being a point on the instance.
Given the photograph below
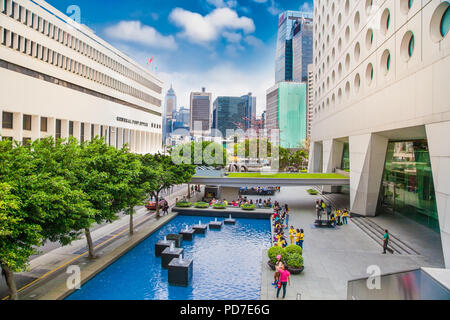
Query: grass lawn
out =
(287, 175)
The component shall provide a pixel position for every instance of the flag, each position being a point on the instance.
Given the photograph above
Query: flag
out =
(149, 60)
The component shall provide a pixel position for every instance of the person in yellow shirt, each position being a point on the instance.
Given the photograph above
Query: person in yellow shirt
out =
(338, 217)
(292, 234)
(297, 237)
(344, 216)
(301, 237)
(225, 202)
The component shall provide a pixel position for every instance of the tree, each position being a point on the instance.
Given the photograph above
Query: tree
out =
(166, 174)
(206, 153)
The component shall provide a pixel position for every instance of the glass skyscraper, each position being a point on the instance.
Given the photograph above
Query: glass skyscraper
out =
(250, 109)
(302, 49)
(284, 53)
(229, 113)
(170, 105)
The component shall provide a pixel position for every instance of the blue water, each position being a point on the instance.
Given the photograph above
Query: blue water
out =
(227, 266)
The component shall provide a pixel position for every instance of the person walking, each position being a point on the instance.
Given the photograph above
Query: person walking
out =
(292, 234)
(329, 209)
(386, 241)
(318, 209)
(301, 238)
(285, 278)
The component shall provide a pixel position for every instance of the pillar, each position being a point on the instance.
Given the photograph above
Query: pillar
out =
(367, 158)
(439, 147)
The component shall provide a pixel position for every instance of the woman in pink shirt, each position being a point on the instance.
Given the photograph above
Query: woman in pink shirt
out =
(285, 277)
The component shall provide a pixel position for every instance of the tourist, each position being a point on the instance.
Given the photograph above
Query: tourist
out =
(318, 210)
(333, 220)
(286, 214)
(338, 217)
(285, 278)
(297, 237)
(278, 264)
(225, 202)
(344, 216)
(301, 238)
(329, 210)
(386, 242)
(292, 234)
(165, 207)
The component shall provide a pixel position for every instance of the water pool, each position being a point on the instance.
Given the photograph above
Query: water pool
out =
(227, 266)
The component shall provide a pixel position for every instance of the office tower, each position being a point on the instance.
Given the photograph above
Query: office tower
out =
(286, 111)
(302, 49)
(250, 110)
(229, 113)
(58, 78)
(381, 107)
(284, 53)
(200, 115)
(170, 105)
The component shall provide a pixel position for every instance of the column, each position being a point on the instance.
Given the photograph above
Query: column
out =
(64, 129)
(315, 160)
(77, 130)
(51, 127)
(332, 156)
(87, 132)
(17, 126)
(120, 142)
(96, 130)
(439, 146)
(367, 158)
(35, 127)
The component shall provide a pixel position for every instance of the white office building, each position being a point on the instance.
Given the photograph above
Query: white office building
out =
(57, 78)
(382, 106)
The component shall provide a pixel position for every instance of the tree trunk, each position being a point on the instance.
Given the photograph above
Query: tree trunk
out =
(157, 204)
(87, 232)
(189, 191)
(131, 221)
(9, 275)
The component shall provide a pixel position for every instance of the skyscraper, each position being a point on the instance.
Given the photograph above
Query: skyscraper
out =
(250, 109)
(310, 100)
(170, 105)
(229, 113)
(284, 52)
(286, 111)
(200, 113)
(302, 48)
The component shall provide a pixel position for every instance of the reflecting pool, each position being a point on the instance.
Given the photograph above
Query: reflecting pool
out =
(227, 265)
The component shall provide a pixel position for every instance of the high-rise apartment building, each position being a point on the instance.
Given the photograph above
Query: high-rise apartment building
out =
(284, 50)
(250, 109)
(200, 116)
(309, 100)
(58, 78)
(382, 106)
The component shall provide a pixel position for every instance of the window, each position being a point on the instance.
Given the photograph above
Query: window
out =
(445, 22)
(7, 120)
(71, 128)
(27, 122)
(58, 129)
(82, 132)
(44, 123)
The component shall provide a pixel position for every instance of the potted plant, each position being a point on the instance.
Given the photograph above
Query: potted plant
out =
(184, 204)
(272, 253)
(248, 206)
(312, 192)
(201, 205)
(294, 263)
(219, 206)
(293, 248)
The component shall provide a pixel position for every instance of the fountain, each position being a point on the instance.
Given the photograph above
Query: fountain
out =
(230, 220)
(187, 233)
(172, 247)
(199, 228)
(161, 245)
(215, 224)
(180, 271)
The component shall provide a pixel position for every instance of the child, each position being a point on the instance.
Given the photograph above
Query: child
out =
(302, 237)
(291, 234)
(338, 217)
(333, 219)
(344, 216)
(297, 237)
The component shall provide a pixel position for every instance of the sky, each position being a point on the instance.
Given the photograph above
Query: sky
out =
(227, 46)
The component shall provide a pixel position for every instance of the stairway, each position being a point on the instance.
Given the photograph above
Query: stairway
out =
(376, 232)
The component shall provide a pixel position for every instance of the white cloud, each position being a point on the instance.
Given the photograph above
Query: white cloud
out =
(136, 32)
(306, 7)
(260, 1)
(204, 29)
(253, 41)
(233, 37)
(273, 8)
(222, 3)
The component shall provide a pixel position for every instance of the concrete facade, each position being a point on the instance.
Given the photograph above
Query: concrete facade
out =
(380, 75)
(71, 82)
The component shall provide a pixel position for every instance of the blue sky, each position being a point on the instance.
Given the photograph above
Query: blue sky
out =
(227, 46)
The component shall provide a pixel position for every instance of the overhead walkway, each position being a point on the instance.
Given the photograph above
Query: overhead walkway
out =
(271, 179)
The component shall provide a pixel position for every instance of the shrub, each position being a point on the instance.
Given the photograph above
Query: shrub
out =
(201, 205)
(248, 206)
(293, 248)
(312, 191)
(273, 252)
(295, 260)
(304, 171)
(219, 206)
(184, 204)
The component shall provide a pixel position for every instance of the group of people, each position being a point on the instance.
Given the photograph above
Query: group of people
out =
(280, 223)
(262, 191)
(336, 216)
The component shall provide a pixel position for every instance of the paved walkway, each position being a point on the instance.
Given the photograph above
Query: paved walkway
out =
(334, 256)
(105, 237)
